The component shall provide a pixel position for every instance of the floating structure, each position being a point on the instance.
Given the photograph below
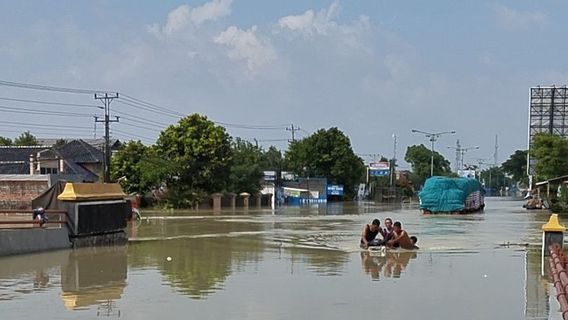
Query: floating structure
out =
(451, 196)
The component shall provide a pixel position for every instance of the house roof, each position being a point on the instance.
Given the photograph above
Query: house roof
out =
(16, 153)
(75, 154)
(97, 143)
(14, 167)
(79, 151)
(75, 168)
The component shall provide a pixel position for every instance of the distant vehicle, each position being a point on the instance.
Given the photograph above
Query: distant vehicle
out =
(443, 195)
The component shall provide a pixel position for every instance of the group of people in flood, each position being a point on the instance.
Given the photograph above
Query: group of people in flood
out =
(393, 236)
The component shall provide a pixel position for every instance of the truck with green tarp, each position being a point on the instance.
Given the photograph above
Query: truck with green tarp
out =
(451, 195)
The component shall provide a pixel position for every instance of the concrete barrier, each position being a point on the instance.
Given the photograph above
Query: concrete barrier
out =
(19, 241)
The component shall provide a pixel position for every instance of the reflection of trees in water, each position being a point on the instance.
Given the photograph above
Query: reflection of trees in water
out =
(390, 264)
(200, 266)
(204, 251)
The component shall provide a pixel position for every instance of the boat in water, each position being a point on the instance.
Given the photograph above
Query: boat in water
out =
(445, 195)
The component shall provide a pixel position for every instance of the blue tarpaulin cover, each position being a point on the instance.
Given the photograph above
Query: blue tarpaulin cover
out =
(443, 194)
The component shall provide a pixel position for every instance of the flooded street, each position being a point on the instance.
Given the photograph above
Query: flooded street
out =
(295, 263)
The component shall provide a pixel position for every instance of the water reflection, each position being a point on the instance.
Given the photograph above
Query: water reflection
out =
(94, 276)
(388, 264)
(199, 266)
(243, 266)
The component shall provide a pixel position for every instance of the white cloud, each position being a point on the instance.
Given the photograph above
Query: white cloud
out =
(516, 20)
(310, 22)
(184, 16)
(211, 11)
(245, 45)
(177, 19)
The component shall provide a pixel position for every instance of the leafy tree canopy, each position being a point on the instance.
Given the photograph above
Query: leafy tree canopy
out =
(131, 165)
(551, 153)
(198, 154)
(419, 158)
(272, 159)
(516, 166)
(327, 153)
(25, 139)
(5, 141)
(246, 171)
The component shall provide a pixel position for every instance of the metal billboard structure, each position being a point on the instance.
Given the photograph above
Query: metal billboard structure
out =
(548, 113)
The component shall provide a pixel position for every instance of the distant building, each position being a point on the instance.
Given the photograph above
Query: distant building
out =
(27, 171)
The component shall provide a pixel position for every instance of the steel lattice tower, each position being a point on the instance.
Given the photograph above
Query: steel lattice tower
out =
(548, 113)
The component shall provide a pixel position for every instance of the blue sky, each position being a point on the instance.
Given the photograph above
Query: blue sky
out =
(371, 68)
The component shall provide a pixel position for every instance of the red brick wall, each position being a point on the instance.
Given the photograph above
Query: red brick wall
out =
(19, 194)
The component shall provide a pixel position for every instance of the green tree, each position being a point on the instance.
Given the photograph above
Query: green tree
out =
(60, 143)
(272, 159)
(246, 171)
(136, 167)
(5, 141)
(516, 166)
(198, 154)
(327, 153)
(495, 179)
(551, 153)
(419, 158)
(25, 139)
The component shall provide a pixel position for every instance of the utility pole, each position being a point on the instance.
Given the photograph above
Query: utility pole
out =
(393, 163)
(458, 148)
(293, 130)
(95, 128)
(496, 152)
(106, 98)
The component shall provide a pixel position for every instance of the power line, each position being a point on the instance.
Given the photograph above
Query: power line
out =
(142, 120)
(132, 134)
(42, 112)
(52, 103)
(137, 126)
(46, 88)
(41, 125)
(147, 109)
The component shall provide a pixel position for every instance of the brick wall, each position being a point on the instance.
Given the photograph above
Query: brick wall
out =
(19, 194)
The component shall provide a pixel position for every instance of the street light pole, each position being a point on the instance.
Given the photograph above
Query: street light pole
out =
(432, 137)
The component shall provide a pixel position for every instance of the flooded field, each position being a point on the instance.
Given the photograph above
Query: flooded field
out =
(295, 263)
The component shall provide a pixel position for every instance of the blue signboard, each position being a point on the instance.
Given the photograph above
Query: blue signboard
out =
(379, 169)
(379, 173)
(334, 190)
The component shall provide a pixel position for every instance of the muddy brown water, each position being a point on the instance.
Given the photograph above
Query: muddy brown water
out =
(293, 263)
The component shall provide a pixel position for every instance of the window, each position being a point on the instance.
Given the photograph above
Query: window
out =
(48, 170)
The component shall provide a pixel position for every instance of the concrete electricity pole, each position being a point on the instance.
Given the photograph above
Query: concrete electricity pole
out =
(106, 98)
(293, 130)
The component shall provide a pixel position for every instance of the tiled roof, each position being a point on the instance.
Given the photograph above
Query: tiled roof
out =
(97, 143)
(74, 168)
(12, 153)
(14, 167)
(79, 151)
(16, 160)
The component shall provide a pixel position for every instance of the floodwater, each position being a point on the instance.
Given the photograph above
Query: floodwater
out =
(295, 263)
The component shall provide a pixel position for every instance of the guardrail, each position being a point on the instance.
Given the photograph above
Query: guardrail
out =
(558, 263)
(11, 219)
